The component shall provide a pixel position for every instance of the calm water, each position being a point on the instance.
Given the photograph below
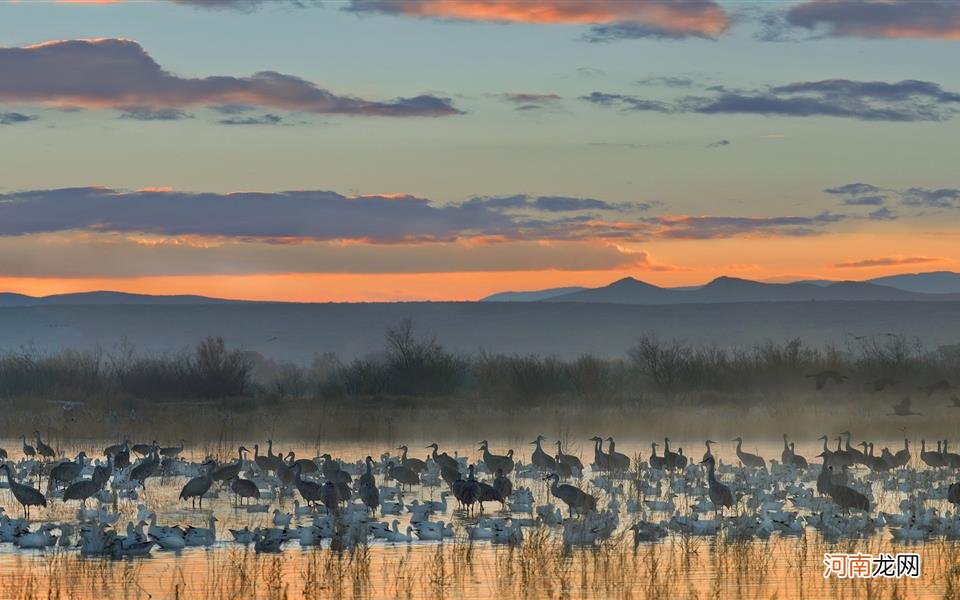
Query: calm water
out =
(678, 566)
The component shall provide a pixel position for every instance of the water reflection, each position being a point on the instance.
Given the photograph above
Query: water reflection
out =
(679, 565)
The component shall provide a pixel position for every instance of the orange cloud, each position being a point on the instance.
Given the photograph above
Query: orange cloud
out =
(667, 17)
(888, 261)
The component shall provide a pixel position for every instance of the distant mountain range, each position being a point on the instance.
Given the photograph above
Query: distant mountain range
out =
(8, 300)
(936, 286)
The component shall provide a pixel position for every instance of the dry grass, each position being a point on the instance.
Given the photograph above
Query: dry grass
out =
(539, 568)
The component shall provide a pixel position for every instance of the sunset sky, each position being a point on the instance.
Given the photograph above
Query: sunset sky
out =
(377, 150)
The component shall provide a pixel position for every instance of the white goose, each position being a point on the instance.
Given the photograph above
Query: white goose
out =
(202, 536)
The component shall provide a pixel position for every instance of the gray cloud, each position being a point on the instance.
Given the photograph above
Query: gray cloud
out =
(526, 98)
(265, 119)
(666, 81)
(14, 118)
(163, 114)
(115, 73)
(882, 214)
(321, 216)
(930, 19)
(710, 227)
(939, 198)
(902, 101)
(854, 189)
(865, 201)
(864, 194)
(627, 102)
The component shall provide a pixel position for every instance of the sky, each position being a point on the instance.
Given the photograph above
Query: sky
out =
(385, 150)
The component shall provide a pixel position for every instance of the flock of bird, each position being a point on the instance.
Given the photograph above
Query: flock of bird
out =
(494, 498)
(903, 408)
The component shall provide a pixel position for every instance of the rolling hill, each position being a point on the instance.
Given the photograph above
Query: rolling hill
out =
(925, 287)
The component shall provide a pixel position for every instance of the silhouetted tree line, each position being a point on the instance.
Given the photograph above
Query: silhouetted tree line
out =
(417, 366)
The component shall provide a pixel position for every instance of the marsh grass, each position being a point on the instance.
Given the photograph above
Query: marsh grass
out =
(540, 567)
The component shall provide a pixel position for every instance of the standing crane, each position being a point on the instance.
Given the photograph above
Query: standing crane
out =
(27, 496)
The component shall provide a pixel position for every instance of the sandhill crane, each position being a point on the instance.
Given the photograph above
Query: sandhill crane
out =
(102, 473)
(173, 451)
(116, 448)
(503, 485)
(367, 477)
(798, 461)
(404, 475)
(786, 457)
(198, 486)
(828, 375)
(310, 491)
(495, 462)
(851, 454)
(902, 457)
(43, 449)
(331, 470)
(575, 498)
(414, 464)
(28, 450)
(827, 452)
(307, 465)
(600, 459)
(330, 497)
(882, 383)
(367, 487)
(443, 459)
(952, 459)
(708, 452)
(938, 386)
(488, 493)
(875, 463)
(672, 459)
(121, 460)
(618, 460)
(147, 468)
(656, 462)
(749, 460)
(568, 459)
(67, 471)
(143, 449)
(25, 495)
(231, 470)
(953, 494)
(563, 469)
(469, 491)
(244, 488)
(261, 460)
(720, 494)
(902, 409)
(931, 459)
(83, 489)
(541, 459)
(450, 476)
(845, 497)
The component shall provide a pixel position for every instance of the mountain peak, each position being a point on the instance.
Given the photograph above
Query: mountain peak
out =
(629, 282)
